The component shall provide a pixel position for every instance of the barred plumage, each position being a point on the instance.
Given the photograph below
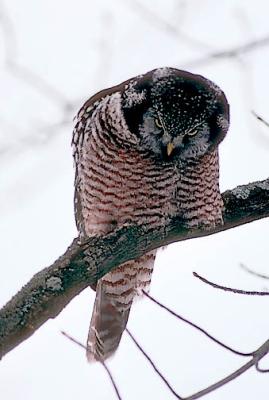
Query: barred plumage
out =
(137, 163)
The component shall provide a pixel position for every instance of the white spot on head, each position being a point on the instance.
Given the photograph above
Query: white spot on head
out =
(215, 88)
(161, 73)
(133, 96)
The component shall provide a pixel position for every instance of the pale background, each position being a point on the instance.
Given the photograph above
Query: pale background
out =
(53, 56)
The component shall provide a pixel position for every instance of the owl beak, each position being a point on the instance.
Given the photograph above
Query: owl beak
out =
(170, 147)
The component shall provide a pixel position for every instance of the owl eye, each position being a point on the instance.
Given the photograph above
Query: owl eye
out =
(158, 123)
(192, 133)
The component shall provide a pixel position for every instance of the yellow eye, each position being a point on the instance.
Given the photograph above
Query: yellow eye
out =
(192, 133)
(158, 123)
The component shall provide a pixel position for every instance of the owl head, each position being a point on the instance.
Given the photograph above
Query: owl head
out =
(175, 114)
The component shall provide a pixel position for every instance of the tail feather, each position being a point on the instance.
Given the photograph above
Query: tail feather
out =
(107, 326)
(115, 293)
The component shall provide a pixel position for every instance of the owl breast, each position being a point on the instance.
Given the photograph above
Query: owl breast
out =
(120, 187)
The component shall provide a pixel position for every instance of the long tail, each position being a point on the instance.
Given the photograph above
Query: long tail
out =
(107, 326)
(114, 297)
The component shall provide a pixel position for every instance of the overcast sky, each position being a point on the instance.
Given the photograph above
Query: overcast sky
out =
(53, 56)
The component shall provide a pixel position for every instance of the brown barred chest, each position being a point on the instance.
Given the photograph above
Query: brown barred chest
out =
(119, 187)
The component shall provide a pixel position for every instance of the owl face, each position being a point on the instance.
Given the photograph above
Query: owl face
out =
(175, 114)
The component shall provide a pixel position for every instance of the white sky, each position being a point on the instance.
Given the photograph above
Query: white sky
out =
(79, 47)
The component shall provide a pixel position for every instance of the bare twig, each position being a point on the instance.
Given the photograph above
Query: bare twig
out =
(266, 123)
(250, 271)
(229, 53)
(102, 362)
(24, 74)
(21, 72)
(41, 136)
(256, 357)
(179, 12)
(196, 327)
(8, 32)
(261, 369)
(156, 369)
(263, 133)
(38, 83)
(157, 20)
(228, 289)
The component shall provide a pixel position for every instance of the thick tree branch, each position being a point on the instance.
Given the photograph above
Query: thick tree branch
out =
(51, 289)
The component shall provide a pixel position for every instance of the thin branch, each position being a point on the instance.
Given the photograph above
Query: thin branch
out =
(112, 381)
(222, 382)
(9, 35)
(40, 137)
(50, 290)
(229, 53)
(266, 123)
(38, 83)
(250, 271)
(228, 289)
(263, 133)
(262, 370)
(156, 19)
(196, 327)
(21, 72)
(73, 340)
(256, 357)
(102, 362)
(156, 369)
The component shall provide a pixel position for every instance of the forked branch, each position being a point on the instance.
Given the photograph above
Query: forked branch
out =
(256, 356)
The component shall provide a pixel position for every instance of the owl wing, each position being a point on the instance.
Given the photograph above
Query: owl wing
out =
(82, 127)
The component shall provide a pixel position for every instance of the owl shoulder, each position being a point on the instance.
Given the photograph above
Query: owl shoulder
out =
(84, 114)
